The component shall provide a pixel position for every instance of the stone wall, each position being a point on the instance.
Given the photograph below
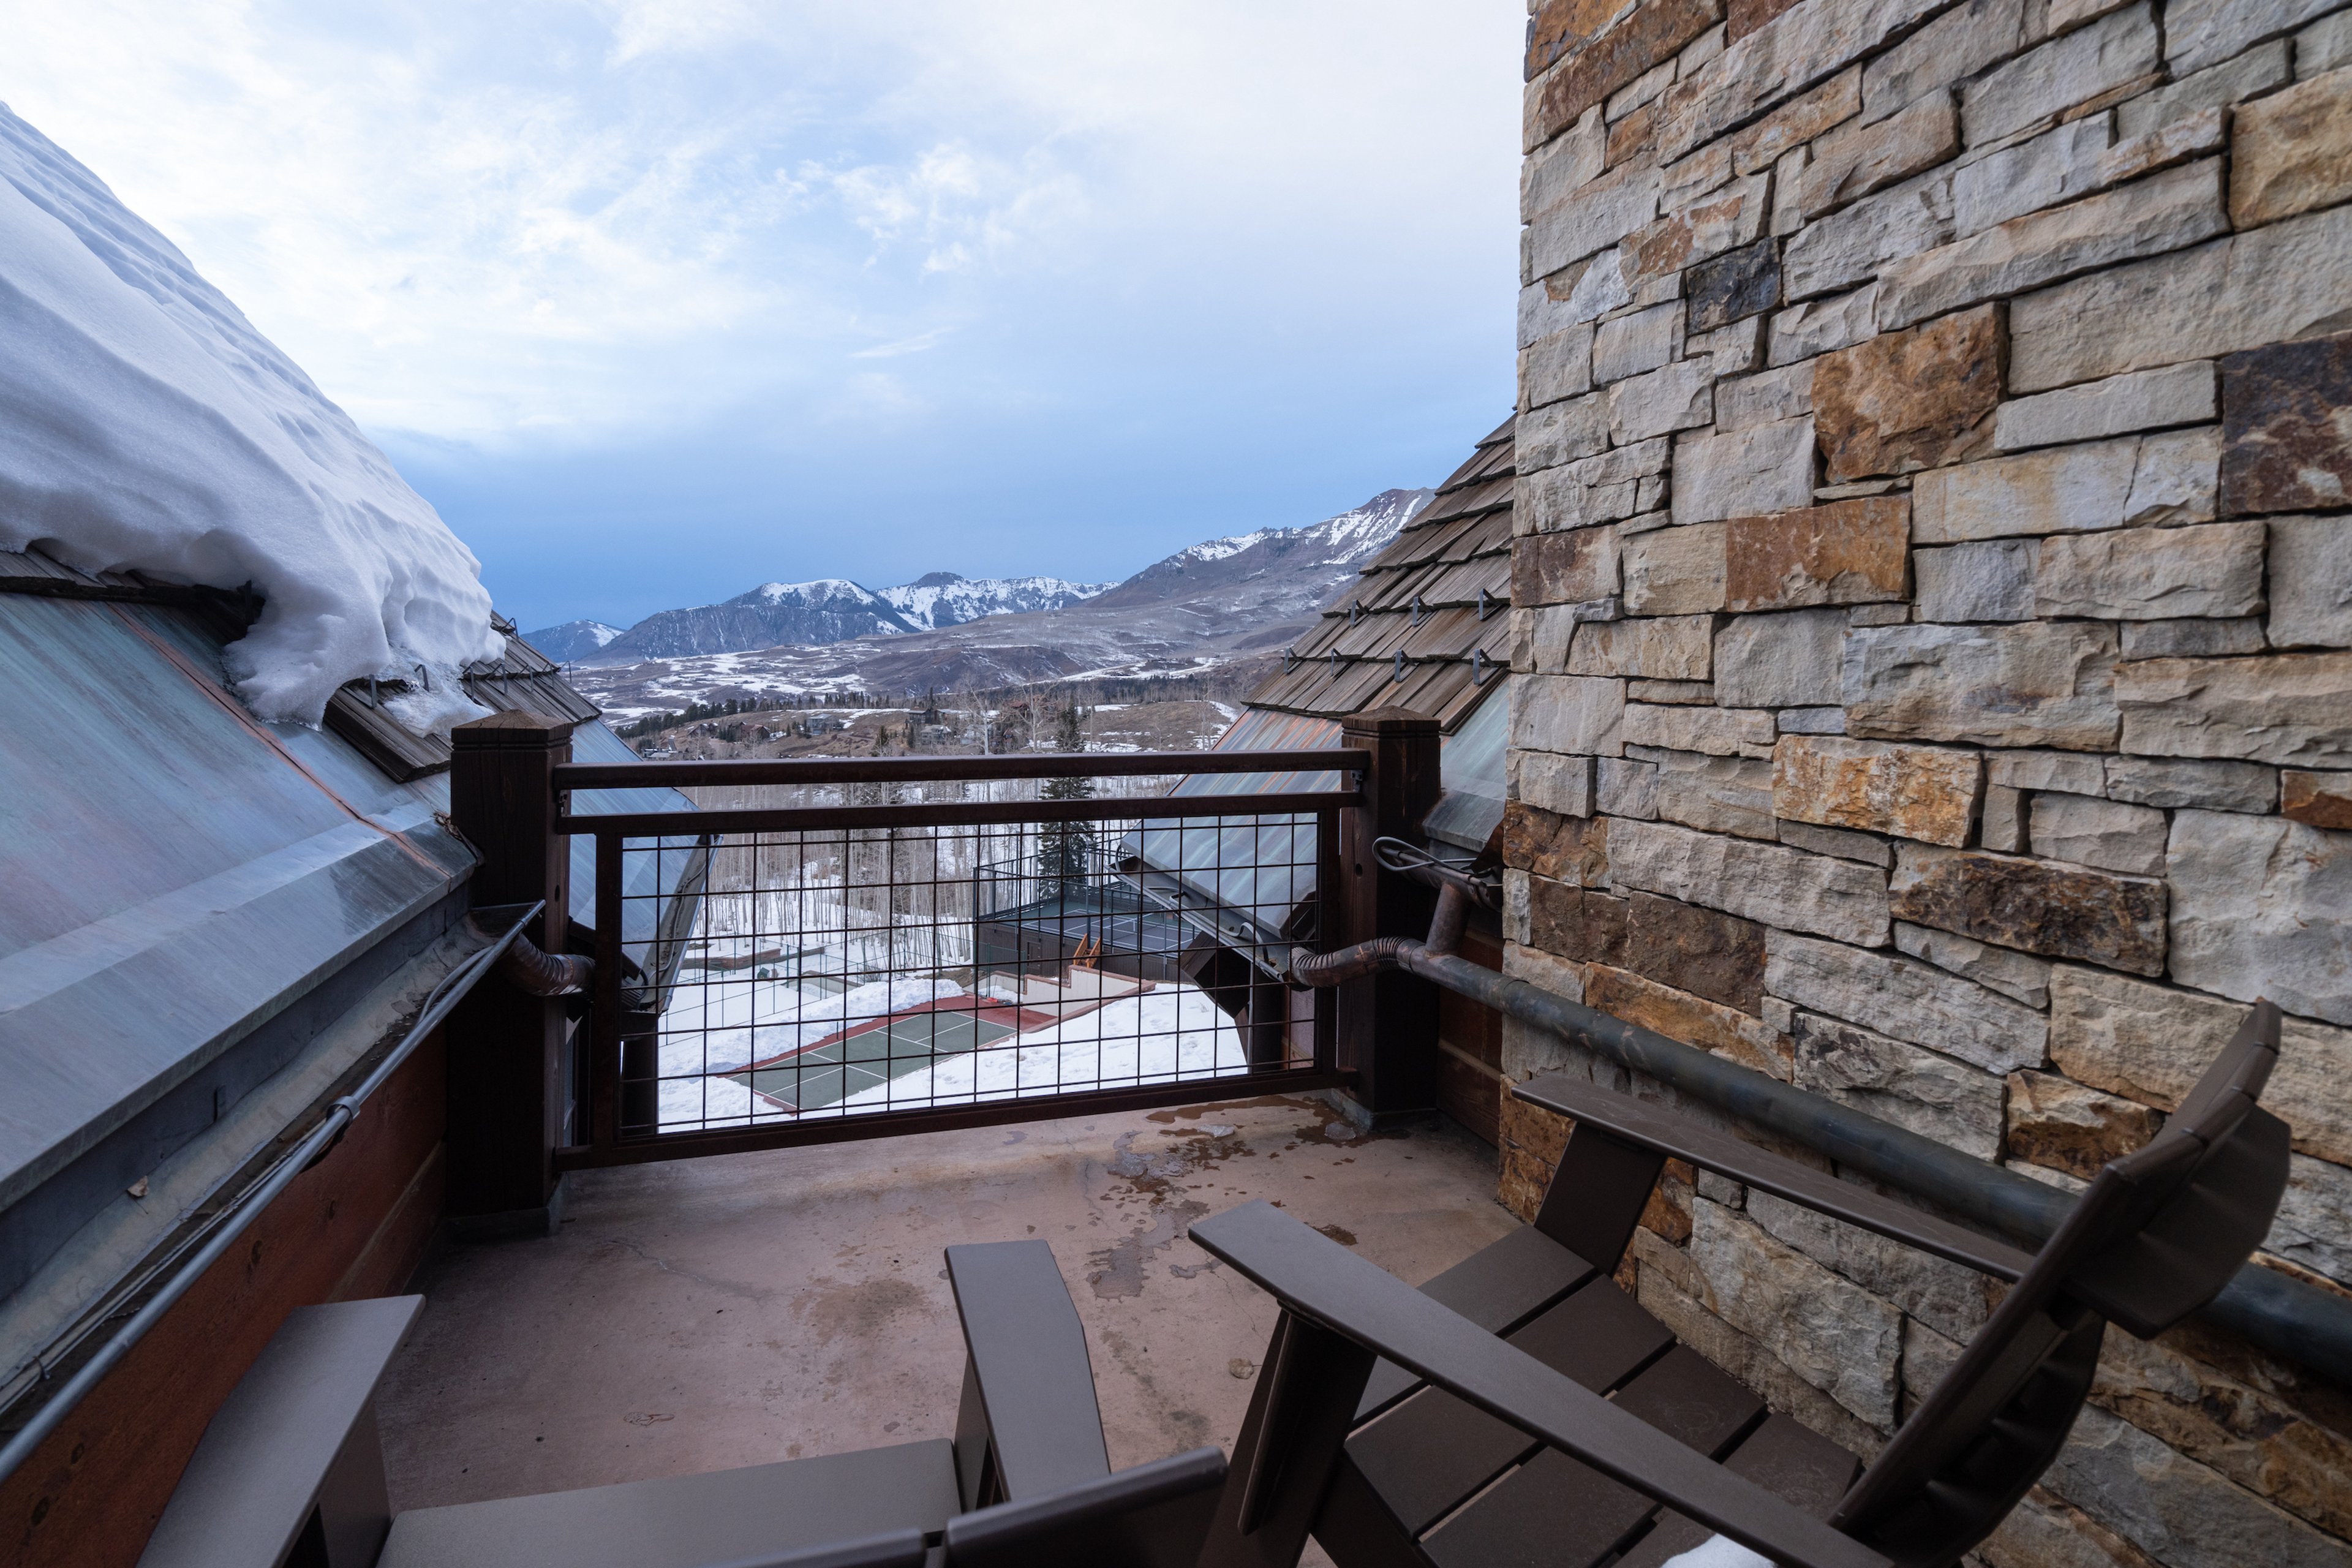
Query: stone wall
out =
(1934, 638)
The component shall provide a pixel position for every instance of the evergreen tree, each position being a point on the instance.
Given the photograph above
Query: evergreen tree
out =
(1065, 850)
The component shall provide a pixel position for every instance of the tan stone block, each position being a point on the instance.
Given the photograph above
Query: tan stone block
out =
(1675, 647)
(1716, 731)
(2061, 911)
(1912, 792)
(2152, 574)
(1720, 793)
(2291, 708)
(1675, 571)
(2323, 800)
(1910, 400)
(1906, 1000)
(2172, 210)
(2291, 152)
(1568, 713)
(2062, 490)
(1679, 1015)
(2262, 907)
(1933, 1096)
(2270, 285)
(1798, 121)
(1836, 1335)
(1846, 553)
(2057, 1122)
(1762, 882)
(2036, 684)
(1743, 473)
(2151, 1043)
(1740, 1355)
(1858, 159)
(1804, 45)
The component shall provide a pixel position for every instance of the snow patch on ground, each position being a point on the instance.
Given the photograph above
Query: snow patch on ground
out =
(145, 425)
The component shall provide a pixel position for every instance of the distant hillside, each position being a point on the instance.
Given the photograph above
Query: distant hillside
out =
(1234, 598)
(572, 640)
(944, 599)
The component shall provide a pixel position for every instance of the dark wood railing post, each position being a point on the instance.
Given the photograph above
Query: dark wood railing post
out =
(505, 1046)
(1388, 1022)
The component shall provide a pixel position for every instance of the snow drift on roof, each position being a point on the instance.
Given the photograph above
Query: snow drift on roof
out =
(145, 425)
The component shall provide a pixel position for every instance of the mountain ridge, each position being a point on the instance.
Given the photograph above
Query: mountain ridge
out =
(1206, 604)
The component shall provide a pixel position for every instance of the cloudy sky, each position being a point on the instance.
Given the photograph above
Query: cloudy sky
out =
(656, 299)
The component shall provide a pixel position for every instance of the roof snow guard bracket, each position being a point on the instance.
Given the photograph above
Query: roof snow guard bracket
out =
(1400, 664)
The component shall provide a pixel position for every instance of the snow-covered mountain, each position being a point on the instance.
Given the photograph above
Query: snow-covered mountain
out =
(944, 599)
(1277, 572)
(572, 640)
(829, 610)
(1240, 597)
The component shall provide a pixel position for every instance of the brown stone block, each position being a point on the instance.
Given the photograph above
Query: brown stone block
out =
(1910, 400)
(2291, 152)
(1912, 792)
(1847, 553)
(1532, 1140)
(2323, 800)
(1693, 1020)
(1708, 952)
(1565, 568)
(2057, 1122)
(2061, 911)
(1575, 922)
(2286, 444)
(1747, 16)
(2044, 1531)
(1632, 137)
(1572, 849)
(1655, 30)
(1564, 26)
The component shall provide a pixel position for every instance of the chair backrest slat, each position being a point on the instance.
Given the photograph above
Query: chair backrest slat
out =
(2156, 1236)
(1153, 1516)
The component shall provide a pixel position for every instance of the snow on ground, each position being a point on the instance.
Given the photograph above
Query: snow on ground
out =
(1170, 1031)
(146, 424)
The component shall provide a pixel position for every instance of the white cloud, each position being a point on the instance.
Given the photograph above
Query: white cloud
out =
(555, 221)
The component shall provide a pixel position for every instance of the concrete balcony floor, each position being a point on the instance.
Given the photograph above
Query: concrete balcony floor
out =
(709, 1313)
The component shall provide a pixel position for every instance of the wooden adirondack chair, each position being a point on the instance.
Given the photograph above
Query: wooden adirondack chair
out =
(291, 1470)
(1521, 1409)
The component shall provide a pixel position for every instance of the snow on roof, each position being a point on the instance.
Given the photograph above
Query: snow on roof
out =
(145, 425)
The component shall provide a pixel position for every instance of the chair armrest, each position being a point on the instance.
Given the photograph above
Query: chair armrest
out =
(1322, 1281)
(1029, 1424)
(296, 1434)
(1662, 1130)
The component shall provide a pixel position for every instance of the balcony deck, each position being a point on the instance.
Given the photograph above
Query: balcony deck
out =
(740, 1309)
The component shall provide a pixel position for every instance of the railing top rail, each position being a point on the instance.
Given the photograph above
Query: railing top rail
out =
(947, 769)
(951, 813)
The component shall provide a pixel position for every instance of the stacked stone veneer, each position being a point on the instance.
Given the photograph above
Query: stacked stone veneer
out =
(1933, 586)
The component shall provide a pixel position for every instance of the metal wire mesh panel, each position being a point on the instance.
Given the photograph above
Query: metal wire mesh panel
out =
(841, 972)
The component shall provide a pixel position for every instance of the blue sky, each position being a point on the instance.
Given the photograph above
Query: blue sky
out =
(659, 300)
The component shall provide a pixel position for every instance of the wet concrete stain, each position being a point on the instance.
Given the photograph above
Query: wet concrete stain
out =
(829, 1307)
